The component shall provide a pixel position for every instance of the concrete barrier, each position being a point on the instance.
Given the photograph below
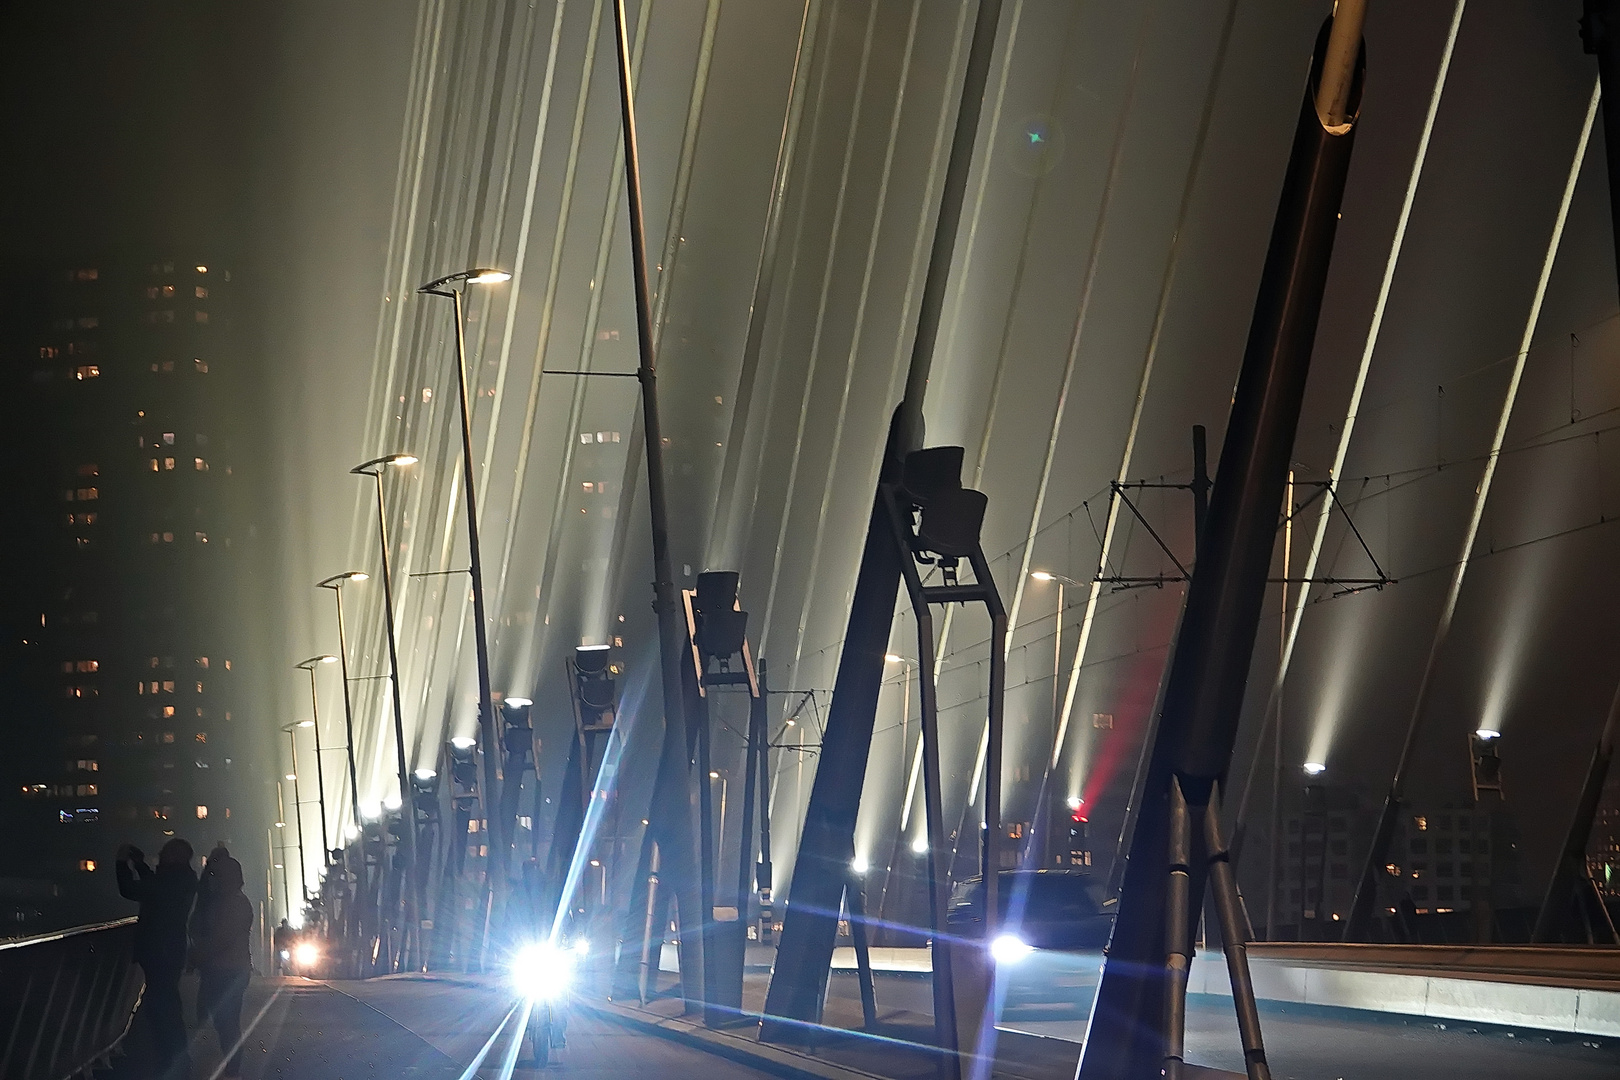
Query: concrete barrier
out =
(1518, 999)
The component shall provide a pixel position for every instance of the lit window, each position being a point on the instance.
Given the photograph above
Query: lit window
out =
(202, 736)
(202, 292)
(202, 661)
(87, 275)
(200, 366)
(88, 494)
(168, 538)
(89, 765)
(168, 438)
(1421, 822)
(88, 665)
(154, 464)
(202, 269)
(202, 812)
(167, 291)
(584, 437)
(199, 464)
(168, 463)
(87, 789)
(86, 371)
(168, 710)
(87, 864)
(168, 686)
(168, 736)
(199, 688)
(202, 538)
(153, 662)
(227, 665)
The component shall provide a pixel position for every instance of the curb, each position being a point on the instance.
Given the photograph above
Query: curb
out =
(776, 1059)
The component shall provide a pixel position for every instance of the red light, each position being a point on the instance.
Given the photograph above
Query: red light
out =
(1077, 816)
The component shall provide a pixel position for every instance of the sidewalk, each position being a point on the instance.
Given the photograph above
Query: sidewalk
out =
(839, 1049)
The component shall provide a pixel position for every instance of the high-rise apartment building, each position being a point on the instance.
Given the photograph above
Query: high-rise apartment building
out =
(127, 605)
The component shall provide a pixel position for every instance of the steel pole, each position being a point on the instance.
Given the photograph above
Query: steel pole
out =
(320, 779)
(408, 896)
(672, 826)
(500, 835)
(1196, 725)
(298, 816)
(348, 710)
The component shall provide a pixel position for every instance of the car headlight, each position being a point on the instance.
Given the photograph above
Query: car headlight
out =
(1009, 949)
(305, 954)
(543, 971)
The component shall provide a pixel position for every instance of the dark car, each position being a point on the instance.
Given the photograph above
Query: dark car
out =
(1053, 928)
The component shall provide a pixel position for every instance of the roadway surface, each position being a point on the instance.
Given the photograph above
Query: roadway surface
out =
(448, 1027)
(419, 1028)
(1302, 1042)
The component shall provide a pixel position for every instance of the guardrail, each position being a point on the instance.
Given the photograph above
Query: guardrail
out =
(66, 999)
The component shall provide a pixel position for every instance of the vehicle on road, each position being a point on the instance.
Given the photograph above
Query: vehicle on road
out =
(1053, 927)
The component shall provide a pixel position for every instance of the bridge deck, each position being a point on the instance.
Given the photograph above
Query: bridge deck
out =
(436, 1027)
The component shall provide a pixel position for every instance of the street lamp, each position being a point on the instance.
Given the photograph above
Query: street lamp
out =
(320, 773)
(298, 806)
(336, 583)
(374, 469)
(447, 286)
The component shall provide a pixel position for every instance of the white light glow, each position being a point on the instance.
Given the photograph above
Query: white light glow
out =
(1009, 949)
(519, 702)
(425, 774)
(392, 802)
(370, 811)
(1074, 802)
(463, 742)
(920, 845)
(542, 971)
(1041, 575)
(1487, 734)
(859, 864)
(1314, 768)
(489, 277)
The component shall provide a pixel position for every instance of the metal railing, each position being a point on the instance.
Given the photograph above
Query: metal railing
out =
(66, 999)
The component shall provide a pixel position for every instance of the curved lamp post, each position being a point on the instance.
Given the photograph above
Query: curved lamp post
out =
(374, 469)
(452, 286)
(320, 774)
(336, 583)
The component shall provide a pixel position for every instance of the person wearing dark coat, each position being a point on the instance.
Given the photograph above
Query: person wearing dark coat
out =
(165, 896)
(220, 953)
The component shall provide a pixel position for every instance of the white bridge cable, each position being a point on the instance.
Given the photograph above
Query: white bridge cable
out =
(829, 265)
(1483, 491)
(453, 482)
(1149, 360)
(1353, 410)
(722, 530)
(547, 310)
(1116, 155)
(876, 233)
(407, 175)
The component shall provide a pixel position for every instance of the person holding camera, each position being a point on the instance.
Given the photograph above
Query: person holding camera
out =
(165, 896)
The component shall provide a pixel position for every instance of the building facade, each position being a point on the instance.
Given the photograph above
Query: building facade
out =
(127, 631)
